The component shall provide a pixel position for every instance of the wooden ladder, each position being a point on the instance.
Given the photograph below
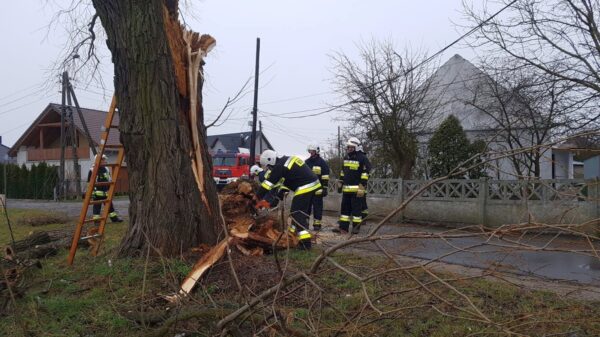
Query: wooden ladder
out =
(87, 201)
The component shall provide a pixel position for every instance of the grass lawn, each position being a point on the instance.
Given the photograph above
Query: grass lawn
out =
(105, 296)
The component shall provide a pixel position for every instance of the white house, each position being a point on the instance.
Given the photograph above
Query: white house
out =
(455, 89)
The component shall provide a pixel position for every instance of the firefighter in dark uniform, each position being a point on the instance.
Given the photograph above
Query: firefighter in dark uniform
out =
(365, 207)
(101, 192)
(276, 194)
(321, 169)
(293, 174)
(354, 178)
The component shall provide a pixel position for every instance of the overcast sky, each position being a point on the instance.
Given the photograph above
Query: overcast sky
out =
(297, 39)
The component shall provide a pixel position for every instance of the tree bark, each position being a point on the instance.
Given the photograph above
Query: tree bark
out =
(171, 209)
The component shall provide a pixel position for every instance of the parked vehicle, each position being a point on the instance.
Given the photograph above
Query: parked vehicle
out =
(229, 167)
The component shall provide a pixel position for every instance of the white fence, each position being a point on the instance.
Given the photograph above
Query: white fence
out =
(484, 201)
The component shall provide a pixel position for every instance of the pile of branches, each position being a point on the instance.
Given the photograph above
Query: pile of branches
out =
(250, 231)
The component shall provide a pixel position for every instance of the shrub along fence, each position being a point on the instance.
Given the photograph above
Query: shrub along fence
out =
(22, 183)
(484, 201)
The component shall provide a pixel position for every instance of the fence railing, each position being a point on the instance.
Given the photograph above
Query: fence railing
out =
(491, 190)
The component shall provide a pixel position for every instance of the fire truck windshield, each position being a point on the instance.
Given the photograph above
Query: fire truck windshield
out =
(224, 161)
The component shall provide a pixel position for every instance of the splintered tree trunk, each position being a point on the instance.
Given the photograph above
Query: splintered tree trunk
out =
(174, 205)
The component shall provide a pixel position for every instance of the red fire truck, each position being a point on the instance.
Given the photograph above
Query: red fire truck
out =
(229, 167)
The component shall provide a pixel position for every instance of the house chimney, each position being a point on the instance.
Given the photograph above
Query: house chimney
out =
(0, 140)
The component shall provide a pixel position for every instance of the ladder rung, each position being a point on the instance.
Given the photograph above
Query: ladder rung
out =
(112, 126)
(93, 220)
(83, 238)
(103, 183)
(97, 202)
(111, 164)
(113, 146)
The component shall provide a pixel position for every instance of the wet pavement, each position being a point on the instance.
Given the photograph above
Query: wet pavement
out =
(494, 254)
(468, 251)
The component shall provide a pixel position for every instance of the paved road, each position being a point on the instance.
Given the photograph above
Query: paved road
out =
(554, 265)
(71, 208)
(479, 253)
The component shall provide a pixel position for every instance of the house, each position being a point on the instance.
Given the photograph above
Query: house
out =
(41, 142)
(4, 157)
(459, 88)
(591, 167)
(233, 142)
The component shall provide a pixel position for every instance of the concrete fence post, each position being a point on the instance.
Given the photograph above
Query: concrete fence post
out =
(483, 191)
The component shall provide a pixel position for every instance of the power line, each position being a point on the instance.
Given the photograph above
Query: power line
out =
(460, 38)
(19, 91)
(14, 129)
(297, 98)
(320, 111)
(23, 97)
(24, 105)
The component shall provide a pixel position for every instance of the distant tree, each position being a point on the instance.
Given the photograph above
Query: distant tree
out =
(527, 110)
(559, 38)
(449, 149)
(384, 97)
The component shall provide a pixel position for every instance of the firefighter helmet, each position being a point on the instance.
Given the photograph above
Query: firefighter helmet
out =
(268, 157)
(353, 141)
(255, 170)
(313, 147)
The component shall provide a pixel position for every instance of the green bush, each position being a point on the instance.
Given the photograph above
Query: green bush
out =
(22, 183)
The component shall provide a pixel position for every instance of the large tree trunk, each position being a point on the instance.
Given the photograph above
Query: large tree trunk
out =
(171, 210)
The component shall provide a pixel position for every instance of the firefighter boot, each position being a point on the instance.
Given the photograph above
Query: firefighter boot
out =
(356, 228)
(317, 225)
(304, 238)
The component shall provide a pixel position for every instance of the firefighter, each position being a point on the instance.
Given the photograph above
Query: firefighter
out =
(365, 207)
(291, 173)
(321, 169)
(101, 192)
(354, 177)
(276, 194)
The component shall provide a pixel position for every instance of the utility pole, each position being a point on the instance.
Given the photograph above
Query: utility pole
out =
(255, 106)
(339, 144)
(74, 144)
(83, 123)
(5, 181)
(61, 172)
(261, 136)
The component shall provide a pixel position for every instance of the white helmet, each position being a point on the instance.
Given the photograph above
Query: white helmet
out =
(255, 170)
(313, 147)
(268, 157)
(353, 141)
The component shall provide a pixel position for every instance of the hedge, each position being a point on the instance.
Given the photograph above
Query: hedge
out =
(37, 183)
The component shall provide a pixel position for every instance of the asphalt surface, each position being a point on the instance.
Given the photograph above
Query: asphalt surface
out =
(555, 262)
